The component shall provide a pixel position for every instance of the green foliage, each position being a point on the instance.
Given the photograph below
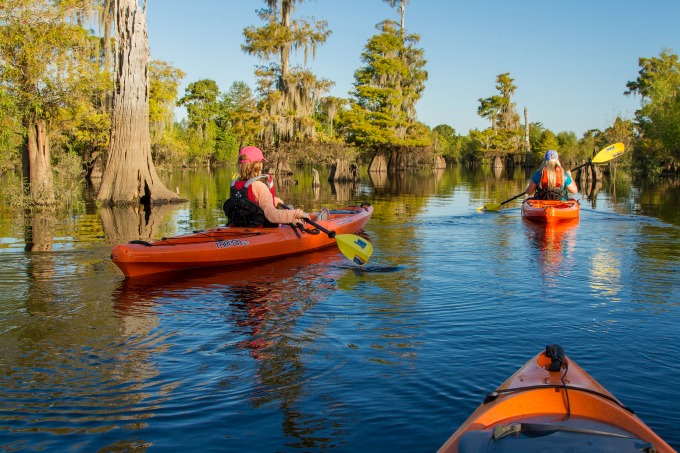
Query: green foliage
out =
(10, 132)
(547, 141)
(658, 121)
(164, 82)
(382, 108)
(238, 121)
(200, 100)
(447, 143)
(505, 134)
(51, 70)
(13, 192)
(568, 147)
(166, 137)
(49, 60)
(477, 148)
(68, 178)
(327, 111)
(288, 95)
(171, 147)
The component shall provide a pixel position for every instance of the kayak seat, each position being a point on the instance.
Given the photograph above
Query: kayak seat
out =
(140, 242)
(343, 211)
(484, 441)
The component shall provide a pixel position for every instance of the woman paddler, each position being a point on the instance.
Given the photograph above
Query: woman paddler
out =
(551, 181)
(252, 200)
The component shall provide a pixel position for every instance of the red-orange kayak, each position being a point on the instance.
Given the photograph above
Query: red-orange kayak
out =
(550, 211)
(225, 246)
(541, 410)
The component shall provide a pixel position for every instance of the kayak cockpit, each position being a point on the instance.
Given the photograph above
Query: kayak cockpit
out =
(575, 434)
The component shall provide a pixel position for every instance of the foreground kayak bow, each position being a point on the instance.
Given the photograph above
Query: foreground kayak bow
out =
(551, 404)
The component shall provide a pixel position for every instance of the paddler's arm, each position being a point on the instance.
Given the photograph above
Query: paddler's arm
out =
(530, 188)
(571, 186)
(533, 183)
(264, 199)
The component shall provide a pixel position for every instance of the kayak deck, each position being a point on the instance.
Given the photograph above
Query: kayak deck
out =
(541, 410)
(223, 246)
(551, 211)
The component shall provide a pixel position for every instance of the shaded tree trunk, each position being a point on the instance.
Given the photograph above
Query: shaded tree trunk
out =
(397, 162)
(130, 176)
(36, 165)
(527, 142)
(378, 163)
(343, 171)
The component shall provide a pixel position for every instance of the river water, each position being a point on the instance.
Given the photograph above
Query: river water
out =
(313, 353)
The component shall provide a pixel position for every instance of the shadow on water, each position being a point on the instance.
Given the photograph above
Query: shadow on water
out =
(376, 269)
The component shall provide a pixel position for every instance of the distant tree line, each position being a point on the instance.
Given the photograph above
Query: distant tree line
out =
(58, 88)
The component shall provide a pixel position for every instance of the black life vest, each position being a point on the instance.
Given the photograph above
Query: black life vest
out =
(241, 208)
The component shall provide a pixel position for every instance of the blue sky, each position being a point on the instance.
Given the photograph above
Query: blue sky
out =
(569, 60)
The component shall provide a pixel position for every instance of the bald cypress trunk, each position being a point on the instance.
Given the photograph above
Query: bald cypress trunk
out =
(37, 169)
(130, 176)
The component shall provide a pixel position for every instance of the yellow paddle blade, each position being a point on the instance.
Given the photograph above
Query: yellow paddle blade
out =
(609, 153)
(490, 207)
(354, 247)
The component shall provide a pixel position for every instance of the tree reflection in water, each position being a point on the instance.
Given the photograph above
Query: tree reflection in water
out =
(126, 223)
(261, 305)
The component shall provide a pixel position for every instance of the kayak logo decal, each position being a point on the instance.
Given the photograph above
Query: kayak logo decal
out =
(360, 243)
(230, 243)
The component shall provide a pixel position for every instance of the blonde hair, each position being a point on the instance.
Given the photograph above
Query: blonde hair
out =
(247, 170)
(550, 166)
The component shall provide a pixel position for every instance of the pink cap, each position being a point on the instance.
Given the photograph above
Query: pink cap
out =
(252, 153)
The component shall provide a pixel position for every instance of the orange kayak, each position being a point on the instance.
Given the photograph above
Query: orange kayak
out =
(550, 211)
(541, 410)
(223, 246)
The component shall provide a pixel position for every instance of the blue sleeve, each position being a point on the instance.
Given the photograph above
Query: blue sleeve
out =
(567, 179)
(536, 178)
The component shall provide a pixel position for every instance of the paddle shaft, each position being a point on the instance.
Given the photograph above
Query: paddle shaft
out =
(580, 166)
(331, 234)
(513, 198)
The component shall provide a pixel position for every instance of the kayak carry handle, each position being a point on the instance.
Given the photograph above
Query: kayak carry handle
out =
(556, 353)
(330, 233)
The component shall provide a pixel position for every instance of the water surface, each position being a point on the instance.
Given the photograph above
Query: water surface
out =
(313, 353)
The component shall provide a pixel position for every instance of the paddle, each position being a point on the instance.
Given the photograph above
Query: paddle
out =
(496, 207)
(605, 155)
(355, 248)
